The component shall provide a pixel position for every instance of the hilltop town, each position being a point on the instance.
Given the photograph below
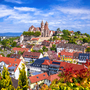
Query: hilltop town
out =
(44, 59)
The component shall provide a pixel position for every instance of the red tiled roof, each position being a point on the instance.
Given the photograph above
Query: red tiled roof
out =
(31, 55)
(65, 65)
(31, 28)
(67, 53)
(38, 77)
(53, 77)
(74, 66)
(20, 49)
(71, 31)
(46, 62)
(10, 61)
(35, 39)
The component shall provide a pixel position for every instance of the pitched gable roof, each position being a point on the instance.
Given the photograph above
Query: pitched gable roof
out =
(65, 65)
(20, 49)
(12, 62)
(15, 56)
(75, 66)
(45, 43)
(31, 55)
(53, 77)
(34, 39)
(38, 77)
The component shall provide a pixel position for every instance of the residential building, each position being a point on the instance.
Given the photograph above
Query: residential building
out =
(16, 50)
(76, 57)
(37, 47)
(13, 65)
(69, 56)
(71, 33)
(59, 33)
(83, 57)
(30, 47)
(53, 55)
(53, 67)
(37, 80)
(70, 47)
(30, 56)
(17, 56)
(37, 65)
(21, 39)
(50, 78)
(47, 44)
(35, 41)
(66, 56)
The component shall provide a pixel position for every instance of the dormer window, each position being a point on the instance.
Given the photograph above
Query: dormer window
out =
(37, 77)
(61, 67)
(44, 75)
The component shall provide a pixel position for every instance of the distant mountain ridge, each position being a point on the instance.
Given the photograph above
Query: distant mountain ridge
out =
(10, 34)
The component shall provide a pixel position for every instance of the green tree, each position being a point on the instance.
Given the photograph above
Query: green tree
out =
(41, 51)
(72, 40)
(88, 49)
(55, 38)
(58, 29)
(6, 80)
(20, 53)
(53, 48)
(8, 55)
(66, 32)
(37, 33)
(14, 44)
(85, 40)
(2, 54)
(45, 49)
(87, 34)
(78, 32)
(23, 81)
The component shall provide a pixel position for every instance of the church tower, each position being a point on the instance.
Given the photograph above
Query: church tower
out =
(42, 29)
(46, 29)
(46, 24)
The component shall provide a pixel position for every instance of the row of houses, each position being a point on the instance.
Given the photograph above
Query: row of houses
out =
(50, 70)
(75, 57)
(67, 52)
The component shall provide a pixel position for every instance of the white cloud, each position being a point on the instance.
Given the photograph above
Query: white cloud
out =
(4, 11)
(73, 10)
(14, 1)
(25, 9)
(48, 14)
(21, 18)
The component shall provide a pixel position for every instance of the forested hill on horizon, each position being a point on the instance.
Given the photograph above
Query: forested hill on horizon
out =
(10, 34)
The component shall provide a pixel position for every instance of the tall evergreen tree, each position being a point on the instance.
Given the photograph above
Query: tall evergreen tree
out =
(6, 82)
(23, 81)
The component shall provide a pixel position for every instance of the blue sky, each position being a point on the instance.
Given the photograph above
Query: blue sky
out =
(19, 15)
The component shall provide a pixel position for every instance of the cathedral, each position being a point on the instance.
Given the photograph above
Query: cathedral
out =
(45, 32)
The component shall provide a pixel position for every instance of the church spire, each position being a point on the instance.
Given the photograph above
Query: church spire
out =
(42, 24)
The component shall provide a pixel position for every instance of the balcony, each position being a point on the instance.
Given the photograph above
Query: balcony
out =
(45, 69)
(53, 68)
